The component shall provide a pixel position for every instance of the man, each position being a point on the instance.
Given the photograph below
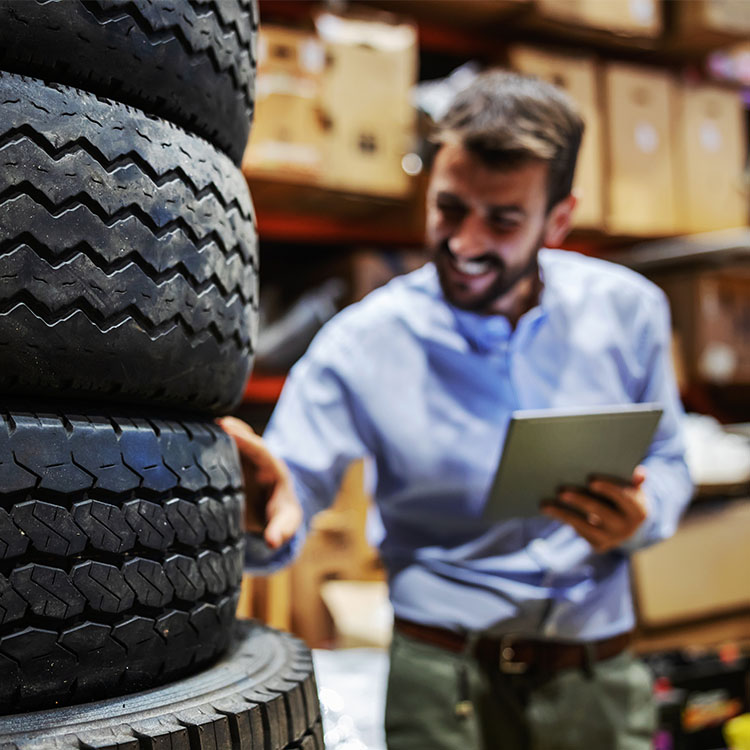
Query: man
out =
(512, 634)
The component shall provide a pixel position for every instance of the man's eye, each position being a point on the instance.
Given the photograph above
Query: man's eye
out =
(451, 210)
(504, 225)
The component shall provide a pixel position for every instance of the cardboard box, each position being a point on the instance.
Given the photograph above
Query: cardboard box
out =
(641, 198)
(286, 140)
(578, 76)
(711, 152)
(640, 18)
(361, 612)
(700, 572)
(710, 313)
(333, 108)
(371, 66)
(711, 22)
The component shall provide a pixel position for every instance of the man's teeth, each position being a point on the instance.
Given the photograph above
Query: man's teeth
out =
(472, 267)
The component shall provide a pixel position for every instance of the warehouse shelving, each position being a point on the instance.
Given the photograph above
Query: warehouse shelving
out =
(451, 33)
(312, 218)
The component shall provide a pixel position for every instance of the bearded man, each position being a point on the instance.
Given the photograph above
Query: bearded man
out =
(508, 634)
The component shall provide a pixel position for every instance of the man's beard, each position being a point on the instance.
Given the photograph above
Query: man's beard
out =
(502, 284)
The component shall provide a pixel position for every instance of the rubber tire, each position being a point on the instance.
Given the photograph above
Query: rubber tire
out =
(191, 62)
(262, 694)
(121, 553)
(128, 255)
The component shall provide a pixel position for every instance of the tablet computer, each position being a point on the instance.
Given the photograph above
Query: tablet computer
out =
(546, 449)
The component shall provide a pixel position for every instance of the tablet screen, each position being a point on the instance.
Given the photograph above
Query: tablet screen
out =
(549, 448)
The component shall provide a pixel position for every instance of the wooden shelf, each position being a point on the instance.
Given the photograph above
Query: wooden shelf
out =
(280, 227)
(709, 248)
(306, 214)
(734, 627)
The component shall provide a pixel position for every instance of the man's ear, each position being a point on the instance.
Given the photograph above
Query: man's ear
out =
(559, 221)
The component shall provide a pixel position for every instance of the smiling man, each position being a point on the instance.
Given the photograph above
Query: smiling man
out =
(512, 634)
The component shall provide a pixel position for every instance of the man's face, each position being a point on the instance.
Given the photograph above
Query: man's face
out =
(485, 227)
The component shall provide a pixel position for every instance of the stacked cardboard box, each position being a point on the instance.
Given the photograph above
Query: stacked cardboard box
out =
(708, 23)
(710, 156)
(673, 584)
(333, 107)
(641, 195)
(659, 156)
(676, 154)
(366, 96)
(287, 139)
(636, 18)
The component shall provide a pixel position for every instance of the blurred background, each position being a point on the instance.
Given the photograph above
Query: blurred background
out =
(337, 165)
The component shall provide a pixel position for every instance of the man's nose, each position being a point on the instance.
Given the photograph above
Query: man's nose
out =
(471, 238)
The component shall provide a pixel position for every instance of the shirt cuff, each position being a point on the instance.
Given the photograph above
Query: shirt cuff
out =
(643, 535)
(262, 560)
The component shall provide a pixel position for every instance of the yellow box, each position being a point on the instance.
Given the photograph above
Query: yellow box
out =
(708, 20)
(641, 199)
(286, 140)
(627, 17)
(371, 67)
(711, 152)
(577, 76)
(701, 571)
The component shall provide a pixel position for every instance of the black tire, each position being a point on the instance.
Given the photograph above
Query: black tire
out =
(191, 62)
(128, 255)
(261, 695)
(121, 553)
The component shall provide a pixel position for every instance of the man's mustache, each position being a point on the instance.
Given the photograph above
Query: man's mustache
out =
(444, 250)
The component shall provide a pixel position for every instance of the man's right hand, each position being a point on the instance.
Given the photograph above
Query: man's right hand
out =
(271, 505)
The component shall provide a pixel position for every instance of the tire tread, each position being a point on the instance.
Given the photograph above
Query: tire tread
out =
(192, 62)
(106, 597)
(120, 248)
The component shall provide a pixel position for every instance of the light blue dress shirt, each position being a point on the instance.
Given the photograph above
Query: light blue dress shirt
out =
(427, 390)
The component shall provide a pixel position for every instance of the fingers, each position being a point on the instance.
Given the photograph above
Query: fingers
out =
(235, 426)
(252, 447)
(284, 516)
(594, 511)
(628, 499)
(605, 516)
(249, 443)
(282, 511)
(598, 538)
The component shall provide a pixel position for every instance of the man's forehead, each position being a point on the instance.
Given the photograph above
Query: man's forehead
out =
(456, 170)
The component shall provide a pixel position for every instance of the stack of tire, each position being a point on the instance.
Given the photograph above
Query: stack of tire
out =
(128, 312)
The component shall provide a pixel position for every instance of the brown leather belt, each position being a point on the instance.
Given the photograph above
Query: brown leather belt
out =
(516, 654)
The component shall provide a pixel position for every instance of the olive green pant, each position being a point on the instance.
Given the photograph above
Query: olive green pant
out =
(606, 707)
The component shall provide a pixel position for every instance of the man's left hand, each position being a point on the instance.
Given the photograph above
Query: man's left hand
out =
(607, 522)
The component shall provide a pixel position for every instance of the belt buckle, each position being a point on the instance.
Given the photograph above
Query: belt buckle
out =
(507, 652)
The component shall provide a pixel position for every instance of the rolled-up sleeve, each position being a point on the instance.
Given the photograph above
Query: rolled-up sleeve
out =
(668, 485)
